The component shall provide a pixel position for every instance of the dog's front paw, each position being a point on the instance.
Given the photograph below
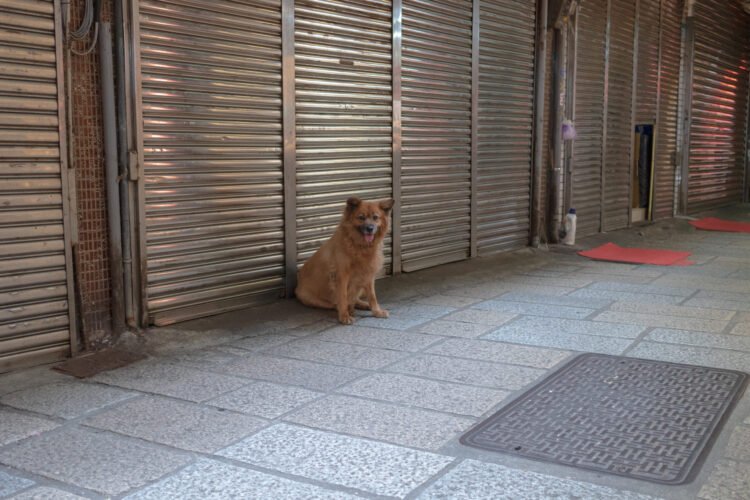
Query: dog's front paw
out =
(380, 313)
(346, 319)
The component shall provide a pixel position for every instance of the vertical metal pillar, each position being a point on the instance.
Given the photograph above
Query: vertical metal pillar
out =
(290, 145)
(396, 130)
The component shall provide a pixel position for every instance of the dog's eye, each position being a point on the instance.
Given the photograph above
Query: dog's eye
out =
(374, 217)
(361, 217)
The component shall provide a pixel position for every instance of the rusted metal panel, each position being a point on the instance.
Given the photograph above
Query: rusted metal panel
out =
(506, 107)
(718, 104)
(210, 87)
(647, 79)
(619, 109)
(343, 54)
(35, 275)
(436, 133)
(589, 112)
(665, 136)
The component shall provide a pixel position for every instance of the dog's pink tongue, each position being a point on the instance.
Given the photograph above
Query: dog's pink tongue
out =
(369, 238)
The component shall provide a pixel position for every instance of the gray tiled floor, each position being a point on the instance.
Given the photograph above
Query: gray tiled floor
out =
(282, 402)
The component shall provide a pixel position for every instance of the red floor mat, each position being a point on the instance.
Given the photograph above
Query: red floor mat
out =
(728, 226)
(614, 253)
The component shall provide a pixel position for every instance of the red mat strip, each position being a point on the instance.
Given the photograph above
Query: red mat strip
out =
(713, 224)
(614, 253)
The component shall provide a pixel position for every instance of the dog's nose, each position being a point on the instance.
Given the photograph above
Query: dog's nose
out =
(370, 228)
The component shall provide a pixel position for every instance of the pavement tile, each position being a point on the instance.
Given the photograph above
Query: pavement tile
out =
(738, 447)
(456, 301)
(728, 481)
(474, 480)
(706, 283)
(501, 353)
(560, 340)
(554, 311)
(379, 468)
(160, 377)
(90, 459)
(455, 329)
(46, 493)
(16, 426)
(466, 371)
(621, 278)
(29, 378)
(176, 423)
(66, 399)
(314, 376)
(491, 290)
(265, 399)
(743, 298)
(678, 311)
(430, 394)
(263, 342)
(354, 356)
(741, 329)
(567, 282)
(700, 356)
(206, 359)
(553, 300)
(406, 316)
(11, 484)
(728, 305)
(379, 338)
(536, 324)
(700, 339)
(659, 321)
(212, 480)
(382, 421)
(490, 318)
(590, 293)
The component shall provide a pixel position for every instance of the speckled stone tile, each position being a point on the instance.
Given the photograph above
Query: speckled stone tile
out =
(90, 459)
(659, 321)
(561, 340)
(616, 286)
(160, 377)
(467, 371)
(66, 399)
(729, 305)
(738, 447)
(535, 298)
(706, 283)
(535, 325)
(501, 353)
(678, 311)
(382, 421)
(370, 466)
(265, 399)
(11, 484)
(480, 317)
(554, 311)
(46, 493)
(17, 425)
(728, 481)
(590, 293)
(263, 342)
(455, 329)
(456, 301)
(176, 423)
(430, 394)
(740, 329)
(473, 480)
(700, 339)
(314, 376)
(212, 480)
(406, 316)
(717, 358)
(379, 338)
(335, 353)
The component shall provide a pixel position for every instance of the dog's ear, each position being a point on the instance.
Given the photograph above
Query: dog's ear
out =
(386, 205)
(352, 203)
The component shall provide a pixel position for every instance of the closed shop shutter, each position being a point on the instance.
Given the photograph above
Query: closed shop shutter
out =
(619, 141)
(719, 103)
(587, 148)
(546, 138)
(35, 269)
(665, 137)
(212, 146)
(506, 106)
(647, 79)
(436, 134)
(344, 112)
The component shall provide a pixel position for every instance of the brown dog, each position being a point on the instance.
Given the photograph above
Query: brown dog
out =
(343, 269)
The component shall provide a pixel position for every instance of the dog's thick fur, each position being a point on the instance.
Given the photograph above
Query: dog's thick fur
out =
(342, 272)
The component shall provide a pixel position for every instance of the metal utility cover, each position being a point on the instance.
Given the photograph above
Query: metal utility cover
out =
(641, 419)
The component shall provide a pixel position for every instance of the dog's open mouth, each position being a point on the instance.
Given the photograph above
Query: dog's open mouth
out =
(369, 237)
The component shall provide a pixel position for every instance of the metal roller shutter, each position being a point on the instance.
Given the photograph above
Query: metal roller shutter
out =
(647, 79)
(546, 138)
(506, 106)
(719, 104)
(587, 148)
(35, 265)
(665, 137)
(436, 133)
(619, 140)
(212, 147)
(344, 103)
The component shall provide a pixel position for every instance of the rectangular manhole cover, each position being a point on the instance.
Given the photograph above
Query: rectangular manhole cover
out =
(636, 418)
